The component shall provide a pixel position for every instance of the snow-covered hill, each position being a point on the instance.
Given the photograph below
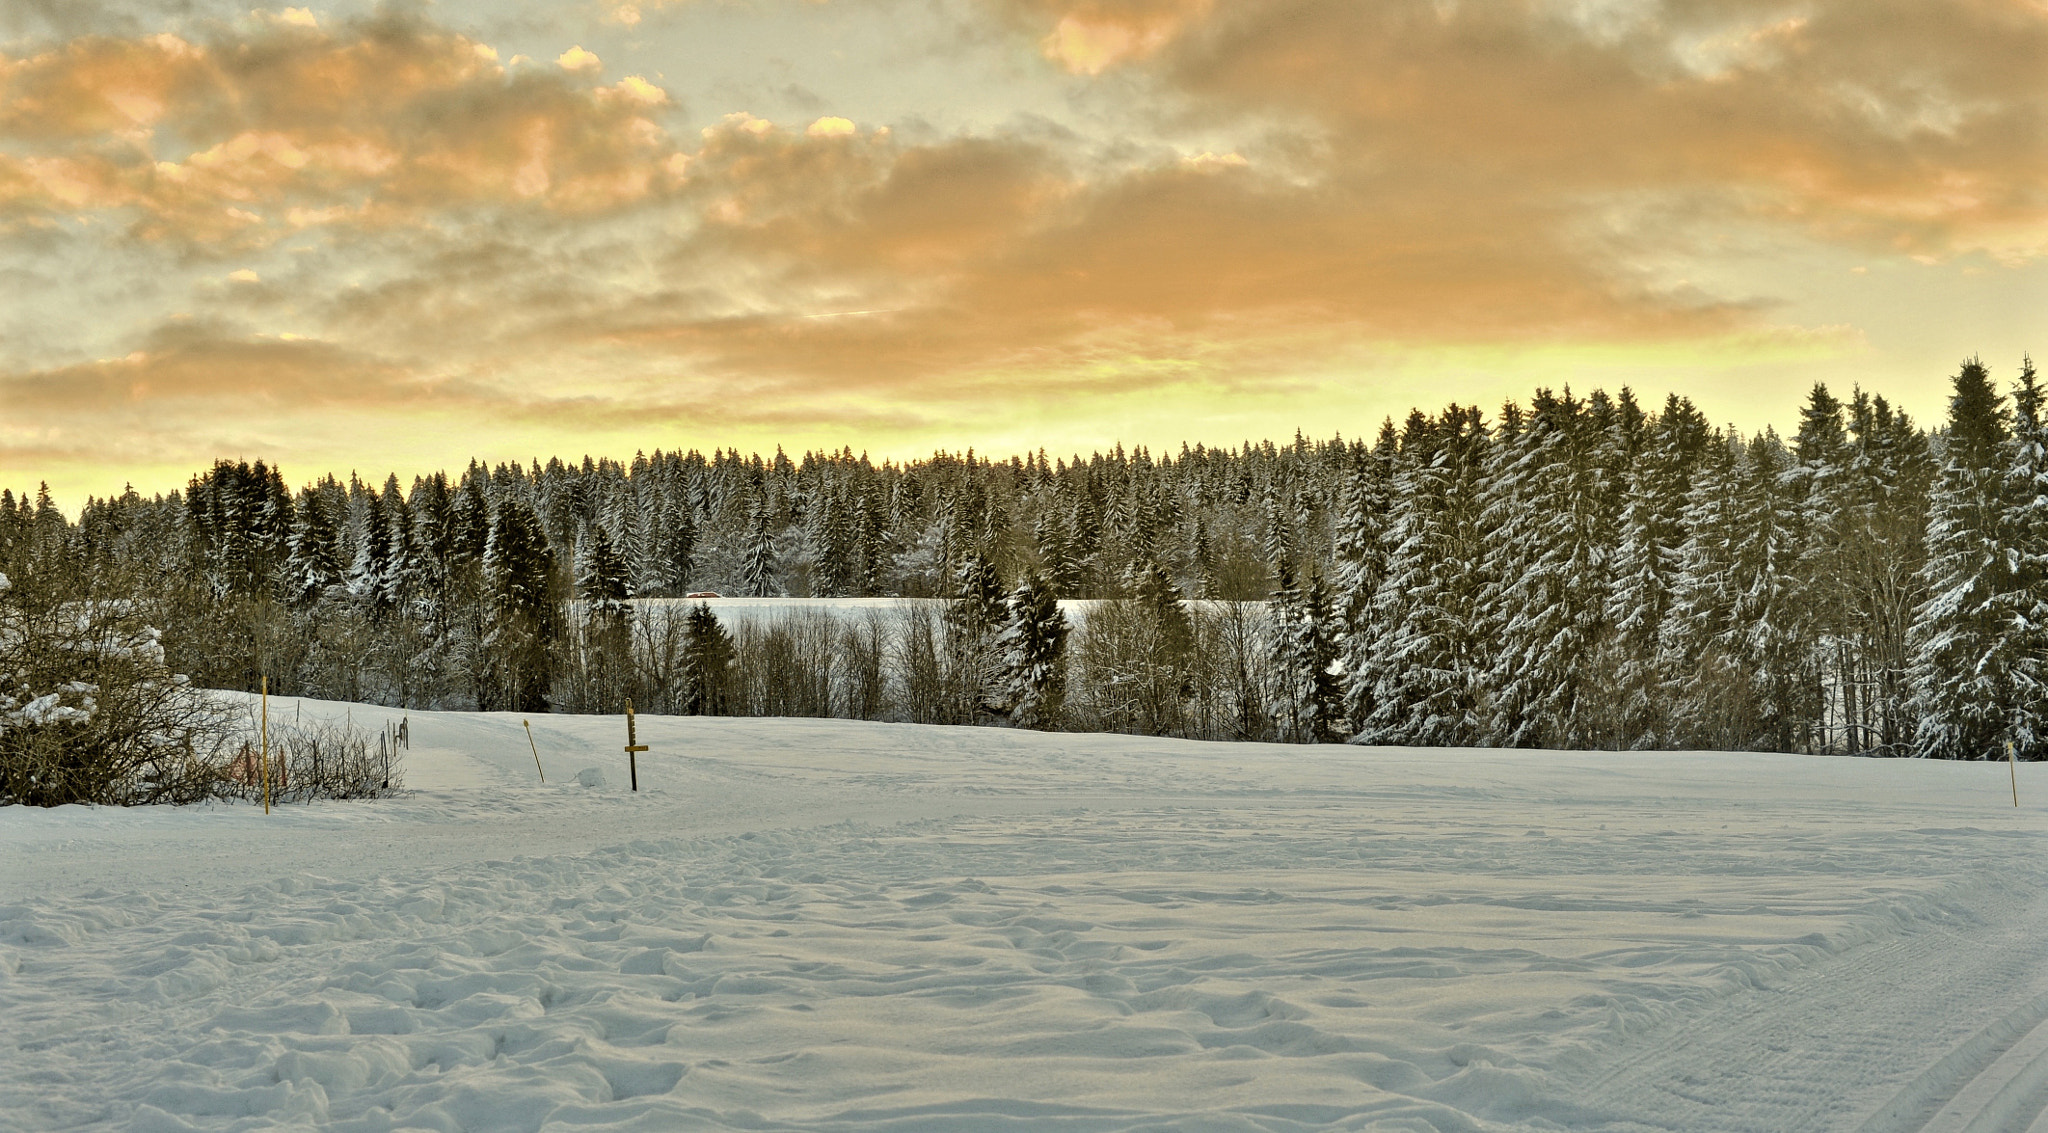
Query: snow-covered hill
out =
(822, 924)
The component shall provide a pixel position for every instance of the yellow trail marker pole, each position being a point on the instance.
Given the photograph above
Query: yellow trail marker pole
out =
(263, 765)
(633, 748)
(536, 751)
(2012, 763)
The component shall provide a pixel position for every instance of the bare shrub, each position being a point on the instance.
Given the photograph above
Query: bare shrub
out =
(863, 674)
(785, 666)
(315, 759)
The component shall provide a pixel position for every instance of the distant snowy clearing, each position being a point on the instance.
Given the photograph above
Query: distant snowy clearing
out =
(834, 925)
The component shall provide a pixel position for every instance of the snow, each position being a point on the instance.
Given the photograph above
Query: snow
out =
(834, 925)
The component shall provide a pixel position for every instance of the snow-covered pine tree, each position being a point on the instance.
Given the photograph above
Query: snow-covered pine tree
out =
(870, 546)
(707, 668)
(1549, 541)
(1701, 676)
(313, 569)
(405, 567)
(1310, 698)
(1636, 604)
(524, 614)
(674, 540)
(1822, 489)
(1423, 657)
(1034, 646)
(1774, 641)
(372, 562)
(1361, 563)
(1166, 650)
(1892, 471)
(1965, 688)
(757, 568)
(831, 544)
(977, 675)
(2027, 603)
(601, 575)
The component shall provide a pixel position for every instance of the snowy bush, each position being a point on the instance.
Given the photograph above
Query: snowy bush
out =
(89, 712)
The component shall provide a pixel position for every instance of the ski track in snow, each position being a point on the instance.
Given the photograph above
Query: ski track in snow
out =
(827, 925)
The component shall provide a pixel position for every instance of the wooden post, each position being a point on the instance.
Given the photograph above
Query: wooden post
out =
(633, 748)
(263, 756)
(536, 750)
(2012, 764)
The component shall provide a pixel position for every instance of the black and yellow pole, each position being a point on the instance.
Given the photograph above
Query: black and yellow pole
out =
(633, 748)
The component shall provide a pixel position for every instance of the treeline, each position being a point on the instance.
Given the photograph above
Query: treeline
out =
(1578, 572)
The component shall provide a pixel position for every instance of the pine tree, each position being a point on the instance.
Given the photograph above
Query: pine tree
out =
(1361, 563)
(405, 568)
(1310, 699)
(707, 669)
(1736, 647)
(1422, 656)
(1166, 651)
(675, 545)
(1965, 686)
(2024, 608)
(757, 571)
(524, 614)
(974, 625)
(1033, 647)
(1545, 604)
(832, 545)
(601, 576)
(1636, 606)
(313, 570)
(1774, 641)
(367, 574)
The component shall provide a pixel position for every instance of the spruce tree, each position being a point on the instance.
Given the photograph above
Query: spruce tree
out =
(1310, 698)
(372, 563)
(975, 622)
(1549, 545)
(1965, 684)
(314, 568)
(2026, 604)
(1034, 651)
(601, 575)
(757, 570)
(1423, 656)
(524, 614)
(1361, 564)
(707, 668)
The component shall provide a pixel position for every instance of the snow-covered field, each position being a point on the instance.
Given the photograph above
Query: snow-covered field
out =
(821, 924)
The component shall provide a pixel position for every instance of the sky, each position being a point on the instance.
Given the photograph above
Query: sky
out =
(395, 236)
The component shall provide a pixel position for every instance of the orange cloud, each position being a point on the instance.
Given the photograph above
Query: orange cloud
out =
(1890, 123)
(1320, 174)
(233, 144)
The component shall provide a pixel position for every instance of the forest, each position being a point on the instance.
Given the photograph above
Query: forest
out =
(1574, 572)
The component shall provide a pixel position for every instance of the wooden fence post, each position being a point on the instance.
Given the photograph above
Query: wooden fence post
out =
(263, 757)
(536, 750)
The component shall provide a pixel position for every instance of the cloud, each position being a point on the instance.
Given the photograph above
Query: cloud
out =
(235, 143)
(577, 59)
(1283, 185)
(1890, 124)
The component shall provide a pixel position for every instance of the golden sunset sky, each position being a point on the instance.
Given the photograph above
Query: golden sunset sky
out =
(393, 237)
